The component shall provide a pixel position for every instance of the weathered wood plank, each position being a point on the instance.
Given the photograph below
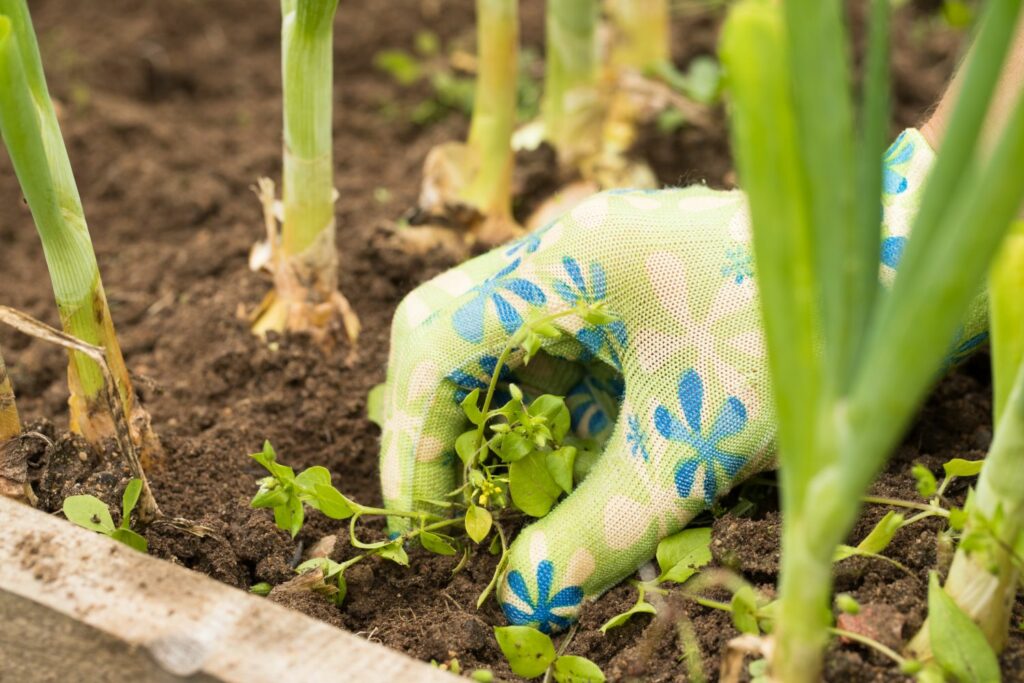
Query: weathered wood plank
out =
(77, 606)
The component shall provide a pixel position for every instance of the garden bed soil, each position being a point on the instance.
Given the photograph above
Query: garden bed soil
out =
(171, 110)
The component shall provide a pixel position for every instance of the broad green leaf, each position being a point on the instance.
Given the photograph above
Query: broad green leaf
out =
(682, 554)
(478, 523)
(395, 552)
(553, 408)
(321, 563)
(130, 539)
(598, 316)
(531, 345)
(269, 497)
(471, 407)
(574, 669)
(467, 446)
(89, 512)
(620, 619)
(268, 458)
(560, 464)
(958, 644)
(528, 651)
(513, 446)
(926, 484)
(290, 516)
(329, 501)
(703, 79)
(744, 611)
(375, 405)
(309, 478)
(129, 499)
(261, 588)
(436, 544)
(533, 490)
(958, 467)
(875, 542)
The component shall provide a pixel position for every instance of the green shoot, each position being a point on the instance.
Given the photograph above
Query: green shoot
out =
(641, 34)
(304, 259)
(32, 136)
(571, 106)
(851, 366)
(89, 512)
(530, 654)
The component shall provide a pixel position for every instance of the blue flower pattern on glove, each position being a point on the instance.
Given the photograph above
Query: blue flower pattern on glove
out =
(589, 416)
(468, 320)
(465, 383)
(739, 264)
(899, 153)
(530, 242)
(892, 250)
(594, 338)
(542, 610)
(731, 419)
(636, 438)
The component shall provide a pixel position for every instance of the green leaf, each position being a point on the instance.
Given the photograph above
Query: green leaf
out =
(270, 495)
(268, 458)
(375, 404)
(574, 669)
(395, 552)
(553, 408)
(478, 523)
(513, 446)
(330, 502)
(322, 563)
(958, 467)
(682, 554)
(436, 544)
(598, 316)
(875, 542)
(957, 519)
(467, 446)
(309, 478)
(130, 539)
(261, 588)
(399, 64)
(129, 500)
(620, 619)
(531, 345)
(471, 407)
(290, 516)
(744, 611)
(533, 490)
(926, 484)
(703, 79)
(959, 645)
(560, 464)
(89, 512)
(528, 651)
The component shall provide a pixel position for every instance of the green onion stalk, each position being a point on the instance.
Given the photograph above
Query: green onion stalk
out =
(572, 103)
(641, 29)
(304, 257)
(856, 365)
(983, 577)
(32, 136)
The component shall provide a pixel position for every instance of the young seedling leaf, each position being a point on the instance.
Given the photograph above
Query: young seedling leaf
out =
(575, 669)
(309, 478)
(261, 588)
(926, 484)
(330, 502)
(89, 512)
(270, 494)
(130, 539)
(471, 407)
(290, 516)
(554, 409)
(268, 458)
(618, 620)
(129, 500)
(744, 611)
(528, 651)
(436, 544)
(958, 467)
(395, 552)
(478, 523)
(959, 645)
(681, 555)
(533, 490)
(875, 542)
(467, 445)
(513, 446)
(560, 465)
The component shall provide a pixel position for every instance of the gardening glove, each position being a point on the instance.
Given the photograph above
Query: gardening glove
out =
(678, 383)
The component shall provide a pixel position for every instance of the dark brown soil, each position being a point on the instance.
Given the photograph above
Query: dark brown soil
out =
(171, 110)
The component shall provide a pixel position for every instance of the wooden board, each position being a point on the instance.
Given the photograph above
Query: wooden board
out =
(76, 606)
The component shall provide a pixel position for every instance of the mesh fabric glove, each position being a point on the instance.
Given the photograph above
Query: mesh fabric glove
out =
(695, 416)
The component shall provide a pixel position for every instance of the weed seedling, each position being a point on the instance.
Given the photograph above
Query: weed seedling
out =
(530, 654)
(89, 512)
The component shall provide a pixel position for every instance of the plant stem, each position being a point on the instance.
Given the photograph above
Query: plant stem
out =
(571, 106)
(642, 34)
(10, 423)
(33, 139)
(896, 502)
(1006, 283)
(494, 107)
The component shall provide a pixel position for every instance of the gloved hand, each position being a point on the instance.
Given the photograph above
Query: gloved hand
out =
(695, 417)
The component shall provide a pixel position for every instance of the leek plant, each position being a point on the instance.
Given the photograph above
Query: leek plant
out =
(32, 136)
(470, 184)
(986, 567)
(303, 257)
(850, 364)
(572, 105)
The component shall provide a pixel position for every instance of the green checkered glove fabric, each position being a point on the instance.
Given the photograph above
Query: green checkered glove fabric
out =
(677, 387)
